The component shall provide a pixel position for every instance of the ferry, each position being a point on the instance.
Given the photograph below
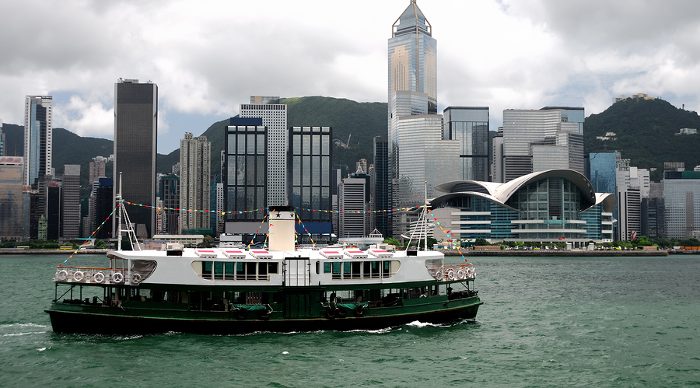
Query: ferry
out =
(278, 289)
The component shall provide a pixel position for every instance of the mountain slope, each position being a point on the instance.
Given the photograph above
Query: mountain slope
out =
(645, 132)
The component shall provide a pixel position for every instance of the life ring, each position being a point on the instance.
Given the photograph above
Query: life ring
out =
(78, 276)
(98, 277)
(461, 274)
(439, 275)
(136, 278)
(451, 274)
(62, 275)
(117, 277)
(471, 272)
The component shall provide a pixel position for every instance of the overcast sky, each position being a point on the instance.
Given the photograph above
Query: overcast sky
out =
(207, 57)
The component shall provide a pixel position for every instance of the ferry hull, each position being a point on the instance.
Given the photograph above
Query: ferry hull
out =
(64, 321)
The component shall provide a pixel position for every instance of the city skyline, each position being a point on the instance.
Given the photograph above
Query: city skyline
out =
(533, 54)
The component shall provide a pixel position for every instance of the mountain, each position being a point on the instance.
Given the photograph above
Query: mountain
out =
(645, 132)
(356, 123)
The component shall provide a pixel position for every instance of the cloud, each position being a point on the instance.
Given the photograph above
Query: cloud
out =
(210, 56)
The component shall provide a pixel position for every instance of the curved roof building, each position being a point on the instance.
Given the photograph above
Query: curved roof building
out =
(550, 205)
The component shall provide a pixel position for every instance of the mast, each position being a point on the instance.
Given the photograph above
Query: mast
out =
(425, 208)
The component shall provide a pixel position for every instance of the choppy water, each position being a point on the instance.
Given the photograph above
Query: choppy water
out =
(545, 322)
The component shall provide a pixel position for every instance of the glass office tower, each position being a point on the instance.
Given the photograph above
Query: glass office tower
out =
(135, 130)
(470, 126)
(38, 135)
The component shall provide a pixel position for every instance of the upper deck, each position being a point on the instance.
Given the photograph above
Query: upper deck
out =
(328, 267)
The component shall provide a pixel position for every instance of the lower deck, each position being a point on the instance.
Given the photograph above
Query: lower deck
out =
(139, 309)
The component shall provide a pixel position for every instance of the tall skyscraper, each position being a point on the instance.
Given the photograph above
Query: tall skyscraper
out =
(12, 223)
(135, 131)
(537, 140)
(629, 202)
(245, 177)
(310, 155)
(70, 202)
(169, 192)
(381, 187)
(412, 118)
(274, 117)
(38, 138)
(104, 204)
(497, 173)
(195, 186)
(470, 126)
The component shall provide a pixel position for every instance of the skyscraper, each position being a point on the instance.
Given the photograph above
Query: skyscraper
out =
(70, 202)
(2, 140)
(310, 155)
(135, 130)
(353, 203)
(169, 191)
(195, 187)
(38, 138)
(274, 117)
(681, 192)
(97, 168)
(470, 126)
(12, 225)
(381, 190)
(412, 106)
(245, 175)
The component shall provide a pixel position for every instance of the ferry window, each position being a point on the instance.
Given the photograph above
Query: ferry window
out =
(218, 270)
(356, 270)
(386, 268)
(206, 269)
(273, 268)
(326, 267)
(240, 271)
(347, 270)
(262, 269)
(228, 271)
(365, 269)
(375, 269)
(250, 271)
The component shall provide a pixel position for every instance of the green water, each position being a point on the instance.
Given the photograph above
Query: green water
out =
(545, 322)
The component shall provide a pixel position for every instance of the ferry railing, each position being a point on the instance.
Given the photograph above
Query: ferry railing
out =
(450, 272)
(90, 275)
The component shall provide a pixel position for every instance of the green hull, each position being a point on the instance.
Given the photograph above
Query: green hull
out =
(87, 318)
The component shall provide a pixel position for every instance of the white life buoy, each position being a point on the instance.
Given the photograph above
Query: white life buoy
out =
(62, 275)
(78, 276)
(471, 272)
(136, 278)
(98, 277)
(439, 275)
(451, 274)
(461, 274)
(117, 277)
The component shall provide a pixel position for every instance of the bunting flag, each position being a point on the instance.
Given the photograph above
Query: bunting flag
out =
(94, 232)
(306, 230)
(263, 210)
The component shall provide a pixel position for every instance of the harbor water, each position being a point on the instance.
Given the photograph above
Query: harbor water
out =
(546, 321)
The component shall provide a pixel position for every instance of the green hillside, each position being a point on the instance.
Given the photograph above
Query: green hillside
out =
(645, 133)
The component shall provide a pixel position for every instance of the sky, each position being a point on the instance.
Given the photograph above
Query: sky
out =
(208, 57)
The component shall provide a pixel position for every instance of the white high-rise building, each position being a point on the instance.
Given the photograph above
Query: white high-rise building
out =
(38, 138)
(70, 202)
(274, 117)
(195, 164)
(544, 139)
(629, 202)
(354, 206)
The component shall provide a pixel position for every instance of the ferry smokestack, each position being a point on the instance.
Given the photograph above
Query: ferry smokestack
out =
(281, 230)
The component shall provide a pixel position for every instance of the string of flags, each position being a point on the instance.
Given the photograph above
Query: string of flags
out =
(262, 210)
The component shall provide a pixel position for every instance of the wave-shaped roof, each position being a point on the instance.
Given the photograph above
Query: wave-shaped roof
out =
(502, 192)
